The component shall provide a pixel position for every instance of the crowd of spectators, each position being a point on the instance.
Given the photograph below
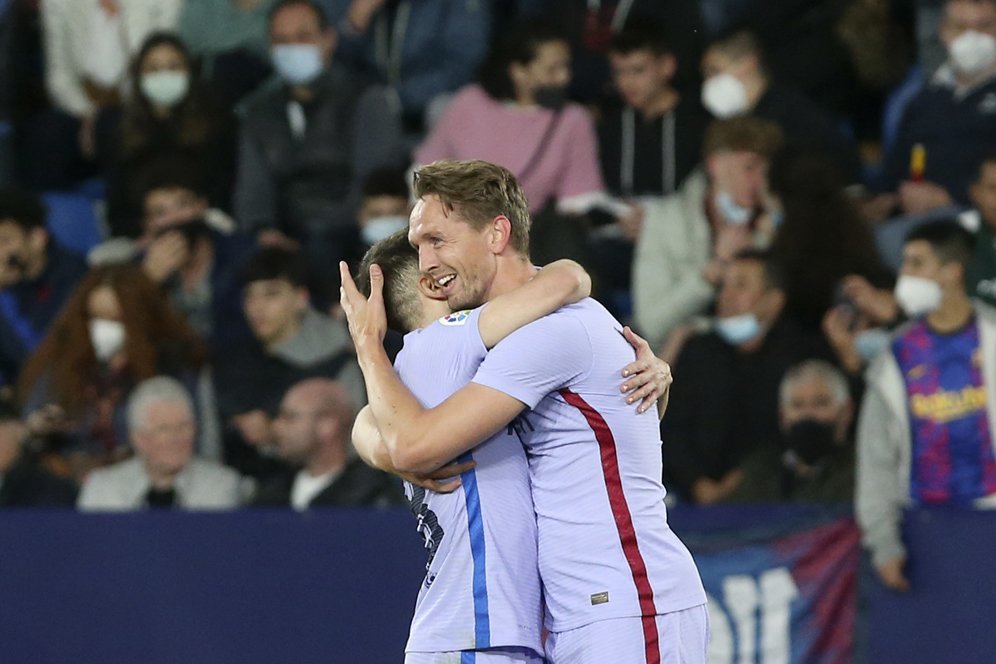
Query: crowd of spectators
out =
(811, 247)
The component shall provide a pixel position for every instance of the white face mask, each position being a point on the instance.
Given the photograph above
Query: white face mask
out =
(736, 330)
(972, 53)
(107, 337)
(731, 211)
(724, 96)
(297, 64)
(165, 88)
(379, 228)
(917, 295)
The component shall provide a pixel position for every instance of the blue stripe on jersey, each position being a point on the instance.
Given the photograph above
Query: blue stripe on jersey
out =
(475, 528)
(467, 657)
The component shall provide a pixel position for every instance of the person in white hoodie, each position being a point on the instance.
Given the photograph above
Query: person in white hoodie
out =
(925, 433)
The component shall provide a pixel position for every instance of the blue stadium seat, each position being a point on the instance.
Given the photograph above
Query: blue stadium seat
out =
(72, 220)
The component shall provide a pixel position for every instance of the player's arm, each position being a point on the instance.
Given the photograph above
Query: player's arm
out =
(368, 443)
(417, 440)
(559, 283)
(370, 447)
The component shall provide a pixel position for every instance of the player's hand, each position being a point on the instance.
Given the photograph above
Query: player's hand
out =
(443, 480)
(366, 317)
(648, 378)
(891, 574)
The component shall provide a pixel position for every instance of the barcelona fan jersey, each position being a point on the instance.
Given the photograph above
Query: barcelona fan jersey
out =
(952, 451)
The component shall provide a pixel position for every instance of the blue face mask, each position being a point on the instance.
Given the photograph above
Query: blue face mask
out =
(736, 330)
(297, 64)
(379, 228)
(731, 212)
(870, 343)
(777, 217)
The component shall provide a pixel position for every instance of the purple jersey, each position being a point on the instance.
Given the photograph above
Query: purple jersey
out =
(481, 589)
(605, 548)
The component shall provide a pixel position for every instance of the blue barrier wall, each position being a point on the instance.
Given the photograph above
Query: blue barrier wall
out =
(339, 586)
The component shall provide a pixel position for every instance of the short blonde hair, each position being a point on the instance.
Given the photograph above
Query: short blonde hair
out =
(479, 191)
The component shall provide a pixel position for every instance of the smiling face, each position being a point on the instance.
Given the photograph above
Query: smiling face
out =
(458, 257)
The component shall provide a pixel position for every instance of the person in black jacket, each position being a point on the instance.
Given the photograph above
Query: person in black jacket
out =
(728, 403)
(311, 432)
(739, 82)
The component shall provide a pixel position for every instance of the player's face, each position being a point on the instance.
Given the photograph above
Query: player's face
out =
(451, 251)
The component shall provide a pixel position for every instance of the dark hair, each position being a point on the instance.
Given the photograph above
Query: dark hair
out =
(173, 171)
(647, 35)
(947, 238)
(323, 19)
(386, 182)
(988, 160)
(823, 237)
(398, 260)
(520, 46)
(738, 42)
(774, 277)
(23, 208)
(276, 263)
(194, 119)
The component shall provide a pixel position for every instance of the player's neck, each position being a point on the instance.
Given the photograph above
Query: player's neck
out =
(513, 271)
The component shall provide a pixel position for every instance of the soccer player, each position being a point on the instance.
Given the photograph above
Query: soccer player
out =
(618, 584)
(473, 600)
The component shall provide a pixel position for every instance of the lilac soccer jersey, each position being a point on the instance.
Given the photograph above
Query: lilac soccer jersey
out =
(481, 588)
(605, 547)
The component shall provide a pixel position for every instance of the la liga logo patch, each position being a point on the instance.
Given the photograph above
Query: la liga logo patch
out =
(456, 318)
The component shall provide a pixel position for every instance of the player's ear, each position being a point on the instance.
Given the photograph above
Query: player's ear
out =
(427, 287)
(500, 234)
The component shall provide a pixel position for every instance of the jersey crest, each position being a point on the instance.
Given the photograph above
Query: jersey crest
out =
(456, 318)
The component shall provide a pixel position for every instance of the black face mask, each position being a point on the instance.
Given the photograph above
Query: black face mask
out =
(811, 440)
(552, 97)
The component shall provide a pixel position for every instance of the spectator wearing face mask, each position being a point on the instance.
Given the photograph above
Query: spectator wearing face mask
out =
(115, 330)
(171, 113)
(813, 461)
(738, 82)
(385, 207)
(36, 277)
(949, 127)
(308, 139)
(925, 432)
(691, 236)
(88, 45)
(519, 117)
(727, 407)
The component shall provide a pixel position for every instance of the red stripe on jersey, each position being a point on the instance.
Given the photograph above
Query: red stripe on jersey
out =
(624, 521)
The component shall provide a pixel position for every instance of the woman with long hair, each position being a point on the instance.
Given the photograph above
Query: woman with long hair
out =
(116, 330)
(822, 238)
(170, 112)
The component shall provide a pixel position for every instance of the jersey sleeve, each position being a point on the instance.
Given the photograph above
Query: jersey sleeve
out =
(540, 358)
